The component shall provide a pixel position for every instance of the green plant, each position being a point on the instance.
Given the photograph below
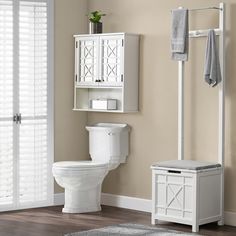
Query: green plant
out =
(95, 16)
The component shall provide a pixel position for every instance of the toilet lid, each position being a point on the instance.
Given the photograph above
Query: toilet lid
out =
(79, 164)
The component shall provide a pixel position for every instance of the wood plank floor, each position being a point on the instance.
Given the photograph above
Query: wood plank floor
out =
(50, 221)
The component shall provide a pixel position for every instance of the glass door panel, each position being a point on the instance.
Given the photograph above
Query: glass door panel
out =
(111, 56)
(88, 50)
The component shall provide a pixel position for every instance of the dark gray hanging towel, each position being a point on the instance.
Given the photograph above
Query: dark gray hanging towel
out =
(212, 73)
(179, 35)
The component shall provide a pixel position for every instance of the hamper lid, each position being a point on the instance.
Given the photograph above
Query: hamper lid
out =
(186, 164)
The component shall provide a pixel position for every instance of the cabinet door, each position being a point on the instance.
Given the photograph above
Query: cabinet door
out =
(111, 57)
(87, 56)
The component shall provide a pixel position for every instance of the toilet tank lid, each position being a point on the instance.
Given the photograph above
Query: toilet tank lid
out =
(114, 127)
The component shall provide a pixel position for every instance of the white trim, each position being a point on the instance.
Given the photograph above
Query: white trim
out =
(133, 203)
(230, 218)
(221, 97)
(15, 103)
(181, 110)
(50, 95)
(59, 199)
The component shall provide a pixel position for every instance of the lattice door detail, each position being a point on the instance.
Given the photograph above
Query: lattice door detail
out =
(88, 69)
(174, 196)
(111, 60)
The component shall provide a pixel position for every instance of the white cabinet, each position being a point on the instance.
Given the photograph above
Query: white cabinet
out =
(106, 67)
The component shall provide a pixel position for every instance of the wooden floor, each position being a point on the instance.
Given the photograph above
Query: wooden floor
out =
(50, 221)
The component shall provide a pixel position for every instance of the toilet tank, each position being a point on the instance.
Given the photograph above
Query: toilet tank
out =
(109, 142)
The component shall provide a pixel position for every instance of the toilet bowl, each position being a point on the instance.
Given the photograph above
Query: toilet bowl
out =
(82, 180)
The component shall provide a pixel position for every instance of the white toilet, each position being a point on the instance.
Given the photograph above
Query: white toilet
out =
(82, 180)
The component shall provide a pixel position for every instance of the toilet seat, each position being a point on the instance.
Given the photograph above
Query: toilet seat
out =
(66, 167)
(79, 164)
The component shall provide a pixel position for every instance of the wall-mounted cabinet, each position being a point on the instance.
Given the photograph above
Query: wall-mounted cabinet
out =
(106, 68)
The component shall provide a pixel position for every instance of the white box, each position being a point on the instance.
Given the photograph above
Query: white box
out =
(103, 104)
(191, 197)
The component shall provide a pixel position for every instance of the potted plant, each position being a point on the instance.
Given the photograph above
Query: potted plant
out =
(95, 26)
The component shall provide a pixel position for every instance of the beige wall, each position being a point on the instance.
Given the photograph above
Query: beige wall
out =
(154, 128)
(70, 135)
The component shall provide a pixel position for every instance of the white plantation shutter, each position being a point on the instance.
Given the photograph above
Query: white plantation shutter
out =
(33, 176)
(6, 163)
(6, 102)
(26, 149)
(6, 58)
(33, 101)
(33, 58)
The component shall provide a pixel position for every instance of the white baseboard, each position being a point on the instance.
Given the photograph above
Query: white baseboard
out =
(230, 218)
(138, 204)
(133, 203)
(59, 199)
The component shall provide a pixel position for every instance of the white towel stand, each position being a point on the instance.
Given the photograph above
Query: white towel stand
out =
(221, 126)
(192, 196)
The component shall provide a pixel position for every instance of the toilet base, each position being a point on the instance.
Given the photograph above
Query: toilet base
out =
(82, 201)
(81, 210)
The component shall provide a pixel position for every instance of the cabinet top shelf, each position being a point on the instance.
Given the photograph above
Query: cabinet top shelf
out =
(106, 34)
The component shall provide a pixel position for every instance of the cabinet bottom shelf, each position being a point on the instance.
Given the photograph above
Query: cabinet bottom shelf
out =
(97, 110)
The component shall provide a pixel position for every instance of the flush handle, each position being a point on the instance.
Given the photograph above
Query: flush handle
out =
(111, 134)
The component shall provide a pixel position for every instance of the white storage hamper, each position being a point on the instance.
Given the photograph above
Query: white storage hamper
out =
(187, 192)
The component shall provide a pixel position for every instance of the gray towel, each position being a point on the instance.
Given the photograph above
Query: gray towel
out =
(212, 73)
(179, 37)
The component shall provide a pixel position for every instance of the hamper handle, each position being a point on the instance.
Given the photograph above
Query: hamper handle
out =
(174, 171)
